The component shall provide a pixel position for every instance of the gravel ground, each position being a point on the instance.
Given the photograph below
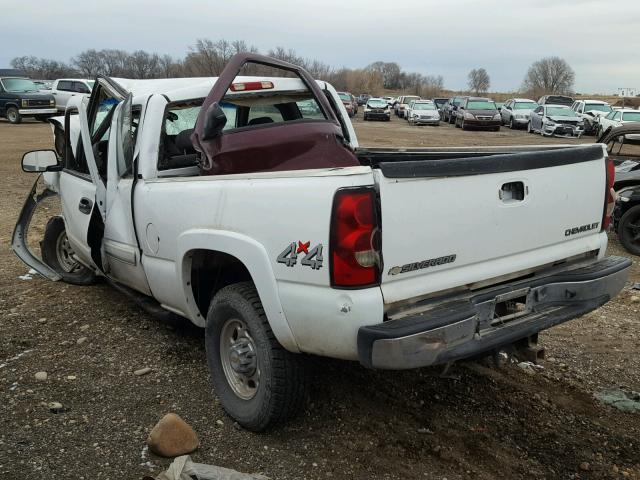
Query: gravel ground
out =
(479, 421)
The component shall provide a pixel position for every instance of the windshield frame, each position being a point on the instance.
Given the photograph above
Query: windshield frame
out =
(566, 111)
(470, 105)
(431, 105)
(533, 107)
(4, 85)
(599, 107)
(378, 103)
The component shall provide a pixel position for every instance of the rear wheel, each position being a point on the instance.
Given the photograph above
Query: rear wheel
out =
(13, 115)
(58, 253)
(258, 382)
(629, 230)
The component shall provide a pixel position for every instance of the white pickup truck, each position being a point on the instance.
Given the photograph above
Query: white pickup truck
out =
(245, 205)
(65, 88)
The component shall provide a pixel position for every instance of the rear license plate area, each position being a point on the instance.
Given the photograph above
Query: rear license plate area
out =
(510, 306)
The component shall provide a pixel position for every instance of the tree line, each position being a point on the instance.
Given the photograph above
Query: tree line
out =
(207, 58)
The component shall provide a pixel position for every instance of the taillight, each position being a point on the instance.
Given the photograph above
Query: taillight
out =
(610, 195)
(355, 239)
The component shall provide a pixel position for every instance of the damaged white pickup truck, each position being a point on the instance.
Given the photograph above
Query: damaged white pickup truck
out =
(245, 205)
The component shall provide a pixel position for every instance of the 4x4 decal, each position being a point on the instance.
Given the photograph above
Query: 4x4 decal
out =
(312, 258)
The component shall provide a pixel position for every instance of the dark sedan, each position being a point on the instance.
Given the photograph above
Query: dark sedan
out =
(480, 113)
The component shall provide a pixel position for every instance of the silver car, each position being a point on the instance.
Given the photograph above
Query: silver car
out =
(555, 120)
(516, 112)
(423, 112)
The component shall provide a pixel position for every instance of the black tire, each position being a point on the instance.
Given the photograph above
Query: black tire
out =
(13, 115)
(459, 124)
(282, 387)
(529, 127)
(512, 124)
(497, 129)
(57, 257)
(629, 230)
(462, 125)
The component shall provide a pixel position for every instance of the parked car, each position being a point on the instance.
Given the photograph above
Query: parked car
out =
(626, 219)
(65, 88)
(516, 112)
(617, 118)
(21, 98)
(478, 113)
(555, 120)
(589, 111)
(362, 98)
(625, 153)
(377, 108)
(499, 105)
(349, 104)
(623, 148)
(310, 246)
(450, 109)
(403, 103)
(423, 112)
(440, 103)
(555, 100)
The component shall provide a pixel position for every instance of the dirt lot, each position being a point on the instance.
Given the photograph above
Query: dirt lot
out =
(478, 422)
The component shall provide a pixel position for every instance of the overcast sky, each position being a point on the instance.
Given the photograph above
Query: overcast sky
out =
(599, 39)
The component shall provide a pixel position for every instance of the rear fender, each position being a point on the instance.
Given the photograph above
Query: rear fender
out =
(21, 230)
(254, 257)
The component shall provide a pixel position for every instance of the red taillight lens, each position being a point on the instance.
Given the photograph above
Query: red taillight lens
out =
(355, 239)
(610, 200)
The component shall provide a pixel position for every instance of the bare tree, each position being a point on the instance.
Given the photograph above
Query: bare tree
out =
(89, 63)
(42, 68)
(208, 58)
(432, 85)
(479, 81)
(549, 75)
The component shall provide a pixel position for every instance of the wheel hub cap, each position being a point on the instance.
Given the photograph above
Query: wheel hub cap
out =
(242, 357)
(65, 254)
(238, 355)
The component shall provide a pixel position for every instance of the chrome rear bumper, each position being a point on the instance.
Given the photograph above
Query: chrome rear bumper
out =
(462, 329)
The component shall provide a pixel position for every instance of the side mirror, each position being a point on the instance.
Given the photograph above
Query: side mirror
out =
(40, 161)
(214, 122)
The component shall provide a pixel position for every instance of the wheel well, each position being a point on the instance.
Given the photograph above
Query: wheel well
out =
(211, 271)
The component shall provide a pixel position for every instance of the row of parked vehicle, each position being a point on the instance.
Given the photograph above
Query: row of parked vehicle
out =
(21, 97)
(551, 115)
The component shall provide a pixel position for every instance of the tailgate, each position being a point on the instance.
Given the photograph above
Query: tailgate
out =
(449, 223)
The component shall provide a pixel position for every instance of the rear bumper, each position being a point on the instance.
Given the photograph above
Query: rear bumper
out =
(462, 329)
